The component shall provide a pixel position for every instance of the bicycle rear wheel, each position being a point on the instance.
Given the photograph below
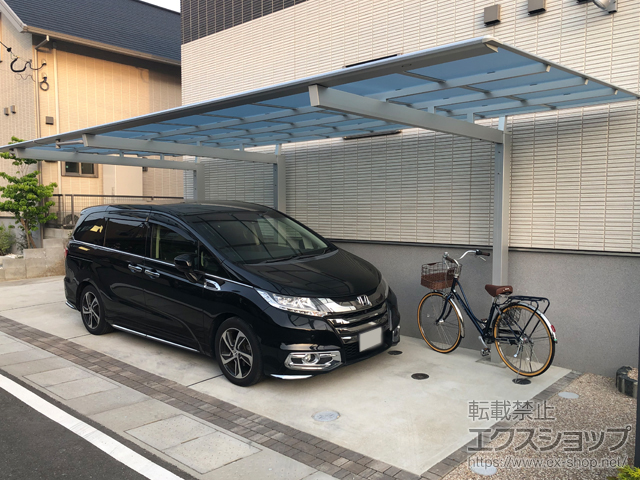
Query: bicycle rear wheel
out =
(439, 322)
(523, 340)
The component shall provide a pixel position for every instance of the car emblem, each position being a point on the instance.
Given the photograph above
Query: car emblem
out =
(364, 301)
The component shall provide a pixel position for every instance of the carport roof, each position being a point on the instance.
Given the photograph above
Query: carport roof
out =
(443, 88)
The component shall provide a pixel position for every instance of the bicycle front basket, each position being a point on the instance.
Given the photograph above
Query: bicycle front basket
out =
(438, 276)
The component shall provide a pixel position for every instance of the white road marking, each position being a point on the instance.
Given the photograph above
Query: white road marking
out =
(105, 443)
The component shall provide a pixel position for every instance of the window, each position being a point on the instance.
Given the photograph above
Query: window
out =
(210, 264)
(167, 244)
(80, 169)
(91, 230)
(126, 235)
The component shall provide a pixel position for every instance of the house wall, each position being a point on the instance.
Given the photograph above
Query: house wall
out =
(15, 90)
(575, 175)
(96, 87)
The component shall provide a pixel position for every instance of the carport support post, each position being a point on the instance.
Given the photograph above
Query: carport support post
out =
(280, 183)
(198, 173)
(501, 194)
(636, 459)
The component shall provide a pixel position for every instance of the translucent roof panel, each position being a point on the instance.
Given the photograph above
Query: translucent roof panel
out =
(470, 80)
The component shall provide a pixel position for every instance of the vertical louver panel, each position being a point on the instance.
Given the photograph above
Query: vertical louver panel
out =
(233, 180)
(412, 187)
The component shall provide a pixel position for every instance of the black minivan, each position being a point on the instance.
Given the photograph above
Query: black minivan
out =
(240, 281)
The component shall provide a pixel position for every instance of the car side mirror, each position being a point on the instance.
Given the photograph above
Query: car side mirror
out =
(185, 263)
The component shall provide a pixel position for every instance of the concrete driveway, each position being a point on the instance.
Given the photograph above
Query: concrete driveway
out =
(384, 413)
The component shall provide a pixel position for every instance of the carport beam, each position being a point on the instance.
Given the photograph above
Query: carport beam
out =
(350, 103)
(62, 156)
(501, 204)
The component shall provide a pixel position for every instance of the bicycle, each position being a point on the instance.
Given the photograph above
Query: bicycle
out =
(515, 324)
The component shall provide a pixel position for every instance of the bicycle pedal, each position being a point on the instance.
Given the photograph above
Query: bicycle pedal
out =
(485, 352)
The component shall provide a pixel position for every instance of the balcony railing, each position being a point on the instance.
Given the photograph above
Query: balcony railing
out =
(68, 206)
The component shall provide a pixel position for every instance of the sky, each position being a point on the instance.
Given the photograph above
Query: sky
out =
(170, 4)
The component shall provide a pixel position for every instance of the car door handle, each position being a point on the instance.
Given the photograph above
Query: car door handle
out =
(212, 285)
(135, 268)
(151, 273)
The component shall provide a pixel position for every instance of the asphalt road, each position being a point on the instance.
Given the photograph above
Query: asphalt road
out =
(34, 447)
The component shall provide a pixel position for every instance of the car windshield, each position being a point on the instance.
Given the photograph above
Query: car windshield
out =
(259, 237)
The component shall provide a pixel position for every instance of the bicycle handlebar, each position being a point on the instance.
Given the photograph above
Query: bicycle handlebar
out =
(476, 252)
(449, 259)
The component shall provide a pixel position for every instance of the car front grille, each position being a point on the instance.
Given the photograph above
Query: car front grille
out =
(348, 327)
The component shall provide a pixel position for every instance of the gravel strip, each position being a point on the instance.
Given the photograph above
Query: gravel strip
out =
(599, 409)
(633, 374)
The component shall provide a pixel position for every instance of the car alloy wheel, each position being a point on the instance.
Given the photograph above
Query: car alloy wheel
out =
(236, 353)
(90, 310)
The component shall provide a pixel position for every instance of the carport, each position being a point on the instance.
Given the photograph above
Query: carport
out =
(444, 89)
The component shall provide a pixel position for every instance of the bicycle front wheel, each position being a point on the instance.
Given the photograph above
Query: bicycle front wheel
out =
(439, 322)
(523, 340)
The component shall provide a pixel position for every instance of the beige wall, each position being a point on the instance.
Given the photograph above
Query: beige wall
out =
(15, 90)
(96, 87)
(575, 182)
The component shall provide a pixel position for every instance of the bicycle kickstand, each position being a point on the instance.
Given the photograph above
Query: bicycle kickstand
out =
(486, 351)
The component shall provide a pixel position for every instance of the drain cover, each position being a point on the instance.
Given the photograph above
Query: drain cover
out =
(326, 416)
(521, 381)
(394, 352)
(484, 469)
(419, 376)
(570, 395)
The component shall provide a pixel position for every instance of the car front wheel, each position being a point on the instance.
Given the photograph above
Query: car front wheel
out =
(238, 352)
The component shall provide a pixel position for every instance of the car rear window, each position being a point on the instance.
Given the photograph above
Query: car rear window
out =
(91, 230)
(128, 236)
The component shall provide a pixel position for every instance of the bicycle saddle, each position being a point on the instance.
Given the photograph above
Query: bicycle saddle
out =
(495, 290)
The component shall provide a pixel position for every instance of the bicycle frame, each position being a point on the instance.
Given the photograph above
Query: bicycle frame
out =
(485, 328)
(462, 300)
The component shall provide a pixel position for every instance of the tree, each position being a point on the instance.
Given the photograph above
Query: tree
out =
(25, 197)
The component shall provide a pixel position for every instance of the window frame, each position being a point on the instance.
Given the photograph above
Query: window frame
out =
(95, 174)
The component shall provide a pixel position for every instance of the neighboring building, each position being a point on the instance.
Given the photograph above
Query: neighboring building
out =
(402, 200)
(105, 61)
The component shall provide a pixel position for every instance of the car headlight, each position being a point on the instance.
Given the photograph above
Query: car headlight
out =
(319, 307)
(303, 305)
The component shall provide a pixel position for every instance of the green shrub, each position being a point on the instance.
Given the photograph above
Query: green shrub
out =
(7, 239)
(627, 473)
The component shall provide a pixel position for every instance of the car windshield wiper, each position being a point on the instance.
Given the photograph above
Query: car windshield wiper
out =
(299, 255)
(279, 259)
